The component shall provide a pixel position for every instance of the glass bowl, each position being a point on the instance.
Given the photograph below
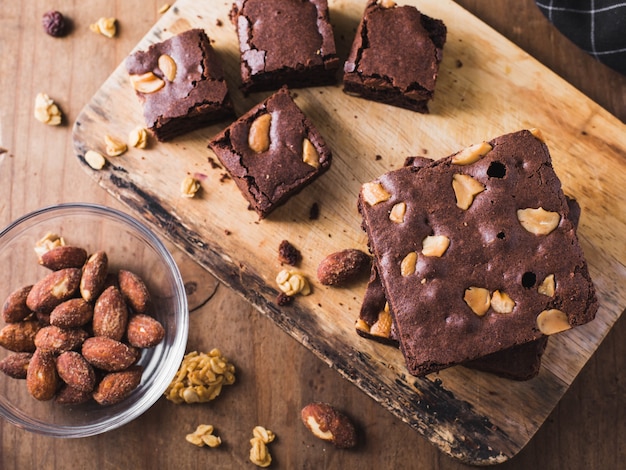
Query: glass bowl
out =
(129, 245)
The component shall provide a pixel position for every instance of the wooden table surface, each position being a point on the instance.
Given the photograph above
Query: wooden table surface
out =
(276, 376)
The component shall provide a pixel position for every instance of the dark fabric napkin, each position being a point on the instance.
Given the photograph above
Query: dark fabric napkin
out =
(596, 26)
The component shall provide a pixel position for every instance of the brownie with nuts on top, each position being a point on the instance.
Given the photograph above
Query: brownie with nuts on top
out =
(376, 321)
(395, 56)
(477, 252)
(272, 152)
(285, 42)
(181, 84)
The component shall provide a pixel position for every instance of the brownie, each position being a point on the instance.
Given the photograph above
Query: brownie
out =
(517, 363)
(194, 92)
(484, 242)
(395, 56)
(272, 152)
(285, 42)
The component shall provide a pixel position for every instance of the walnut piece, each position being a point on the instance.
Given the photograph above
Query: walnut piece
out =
(471, 154)
(466, 189)
(435, 245)
(501, 302)
(138, 137)
(397, 212)
(95, 159)
(203, 435)
(167, 66)
(548, 286)
(105, 26)
(146, 82)
(293, 282)
(309, 154)
(538, 221)
(373, 193)
(407, 266)
(259, 135)
(47, 111)
(114, 147)
(552, 321)
(259, 453)
(189, 187)
(200, 378)
(478, 299)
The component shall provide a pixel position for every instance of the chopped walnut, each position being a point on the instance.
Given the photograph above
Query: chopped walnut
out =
(200, 378)
(259, 453)
(47, 111)
(203, 435)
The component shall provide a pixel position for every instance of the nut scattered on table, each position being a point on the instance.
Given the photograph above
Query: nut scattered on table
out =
(95, 159)
(329, 424)
(200, 378)
(343, 266)
(163, 8)
(189, 187)
(47, 111)
(259, 452)
(293, 282)
(138, 137)
(105, 26)
(114, 147)
(203, 436)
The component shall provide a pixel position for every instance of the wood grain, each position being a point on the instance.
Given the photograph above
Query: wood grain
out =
(487, 87)
(584, 431)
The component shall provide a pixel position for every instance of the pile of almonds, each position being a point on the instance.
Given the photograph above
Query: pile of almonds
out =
(77, 333)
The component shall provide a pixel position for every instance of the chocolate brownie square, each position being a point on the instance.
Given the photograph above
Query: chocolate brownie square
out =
(285, 42)
(395, 56)
(477, 252)
(272, 152)
(181, 84)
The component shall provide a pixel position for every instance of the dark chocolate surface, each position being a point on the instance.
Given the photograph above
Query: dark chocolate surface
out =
(395, 56)
(269, 178)
(285, 42)
(488, 248)
(196, 97)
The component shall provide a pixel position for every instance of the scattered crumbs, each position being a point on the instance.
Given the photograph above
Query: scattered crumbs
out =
(218, 22)
(214, 164)
(458, 63)
(227, 232)
(294, 95)
(314, 212)
(212, 41)
(378, 157)
(321, 92)
(583, 132)
(224, 177)
(200, 176)
(356, 117)
(289, 254)
(283, 299)
(330, 235)
(425, 151)
(341, 304)
(319, 305)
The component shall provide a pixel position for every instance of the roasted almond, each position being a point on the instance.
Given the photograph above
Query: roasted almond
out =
(110, 314)
(116, 386)
(15, 308)
(72, 313)
(75, 371)
(19, 337)
(94, 276)
(342, 266)
(56, 340)
(53, 289)
(41, 378)
(109, 354)
(71, 396)
(144, 331)
(329, 424)
(134, 291)
(62, 257)
(15, 365)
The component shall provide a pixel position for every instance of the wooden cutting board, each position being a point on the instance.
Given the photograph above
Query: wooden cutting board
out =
(487, 87)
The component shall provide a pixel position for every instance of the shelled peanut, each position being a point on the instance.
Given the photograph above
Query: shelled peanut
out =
(77, 333)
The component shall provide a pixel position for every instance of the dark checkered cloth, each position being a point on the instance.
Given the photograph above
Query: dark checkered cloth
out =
(596, 26)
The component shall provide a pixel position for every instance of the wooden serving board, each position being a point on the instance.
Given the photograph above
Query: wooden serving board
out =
(487, 87)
